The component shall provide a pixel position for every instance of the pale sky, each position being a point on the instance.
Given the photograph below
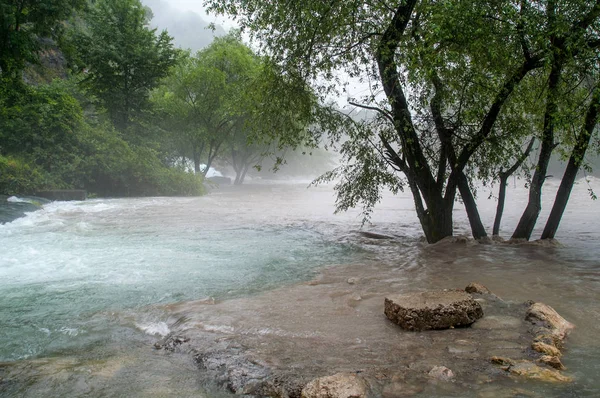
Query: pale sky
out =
(197, 7)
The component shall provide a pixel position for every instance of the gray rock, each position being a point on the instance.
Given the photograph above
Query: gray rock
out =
(441, 373)
(340, 385)
(432, 310)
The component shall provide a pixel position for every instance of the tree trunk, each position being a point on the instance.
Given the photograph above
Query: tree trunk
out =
(213, 150)
(577, 155)
(500, 207)
(437, 223)
(196, 156)
(503, 182)
(530, 215)
(241, 175)
(477, 228)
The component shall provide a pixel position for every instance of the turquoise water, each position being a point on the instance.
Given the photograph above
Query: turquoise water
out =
(67, 269)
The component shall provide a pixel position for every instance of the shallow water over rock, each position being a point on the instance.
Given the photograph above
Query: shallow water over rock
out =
(88, 288)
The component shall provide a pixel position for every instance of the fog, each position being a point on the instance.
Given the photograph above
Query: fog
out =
(187, 22)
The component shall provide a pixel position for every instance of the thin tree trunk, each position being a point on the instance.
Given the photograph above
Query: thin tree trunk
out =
(196, 156)
(577, 155)
(503, 182)
(530, 215)
(213, 150)
(243, 175)
(477, 228)
(500, 207)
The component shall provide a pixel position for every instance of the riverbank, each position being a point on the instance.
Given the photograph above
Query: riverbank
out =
(277, 342)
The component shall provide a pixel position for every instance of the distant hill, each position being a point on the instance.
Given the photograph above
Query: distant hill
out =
(188, 29)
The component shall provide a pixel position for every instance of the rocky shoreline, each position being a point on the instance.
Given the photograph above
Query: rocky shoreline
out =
(329, 338)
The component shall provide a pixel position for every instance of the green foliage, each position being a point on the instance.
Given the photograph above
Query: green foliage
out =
(22, 23)
(39, 123)
(113, 167)
(122, 58)
(19, 177)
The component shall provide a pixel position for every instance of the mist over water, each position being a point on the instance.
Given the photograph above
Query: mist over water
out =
(83, 281)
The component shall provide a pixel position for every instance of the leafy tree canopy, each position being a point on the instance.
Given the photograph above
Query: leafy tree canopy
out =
(122, 58)
(450, 81)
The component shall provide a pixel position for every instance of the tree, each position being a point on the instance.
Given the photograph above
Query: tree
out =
(576, 160)
(122, 58)
(276, 112)
(200, 96)
(442, 75)
(227, 96)
(571, 36)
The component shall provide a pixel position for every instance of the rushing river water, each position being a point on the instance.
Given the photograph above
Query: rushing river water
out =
(85, 286)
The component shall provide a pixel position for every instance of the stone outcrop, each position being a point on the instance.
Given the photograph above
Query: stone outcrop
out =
(432, 310)
(340, 385)
(550, 329)
(546, 317)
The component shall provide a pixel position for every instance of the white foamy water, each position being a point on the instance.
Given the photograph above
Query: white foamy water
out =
(93, 277)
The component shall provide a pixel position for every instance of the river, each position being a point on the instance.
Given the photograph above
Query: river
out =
(86, 288)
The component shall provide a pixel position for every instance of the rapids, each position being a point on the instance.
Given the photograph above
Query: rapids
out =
(86, 288)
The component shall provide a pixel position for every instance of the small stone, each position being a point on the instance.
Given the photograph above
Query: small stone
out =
(552, 361)
(340, 385)
(432, 310)
(546, 349)
(475, 287)
(353, 281)
(441, 373)
(502, 361)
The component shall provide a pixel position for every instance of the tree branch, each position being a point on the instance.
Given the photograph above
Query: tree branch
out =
(385, 113)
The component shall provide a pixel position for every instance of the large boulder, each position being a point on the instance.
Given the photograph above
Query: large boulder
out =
(340, 385)
(546, 317)
(432, 310)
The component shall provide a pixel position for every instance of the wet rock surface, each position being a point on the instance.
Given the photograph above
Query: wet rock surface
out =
(281, 342)
(341, 385)
(432, 310)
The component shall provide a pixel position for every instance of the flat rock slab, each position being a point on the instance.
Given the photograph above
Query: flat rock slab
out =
(432, 310)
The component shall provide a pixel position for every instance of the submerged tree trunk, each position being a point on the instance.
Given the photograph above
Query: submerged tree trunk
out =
(577, 155)
(530, 215)
(500, 207)
(504, 175)
(477, 228)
